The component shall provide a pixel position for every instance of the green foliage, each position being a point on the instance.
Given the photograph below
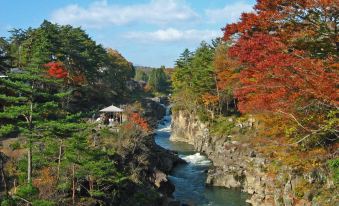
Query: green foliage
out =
(43, 203)
(96, 193)
(334, 167)
(193, 77)
(6, 129)
(158, 80)
(141, 75)
(27, 191)
(88, 65)
(16, 145)
(222, 126)
(117, 71)
(7, 201)
(4, 55)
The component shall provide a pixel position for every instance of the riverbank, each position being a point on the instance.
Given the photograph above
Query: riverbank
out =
(238, 164)
(189, 179)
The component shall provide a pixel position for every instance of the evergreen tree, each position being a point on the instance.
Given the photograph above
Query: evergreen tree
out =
(4, 55)
(31, 107)
(141, 76)
(158, 80)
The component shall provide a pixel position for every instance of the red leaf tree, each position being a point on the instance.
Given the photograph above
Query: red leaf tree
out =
(288, 52)
(140, 122)
(57, 70)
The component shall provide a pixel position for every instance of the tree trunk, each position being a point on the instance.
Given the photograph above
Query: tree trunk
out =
(29, 152)
(218, 94)
(73, 187)
(29, 163)
(227, 105)
(4, 177)
(14, 185)
(59, 160)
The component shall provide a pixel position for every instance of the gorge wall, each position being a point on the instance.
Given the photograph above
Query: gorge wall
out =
(236, 164)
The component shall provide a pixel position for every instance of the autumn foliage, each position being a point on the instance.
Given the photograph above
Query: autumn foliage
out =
(288, 63)
(136, 120)
(57, 70)
(275, 79)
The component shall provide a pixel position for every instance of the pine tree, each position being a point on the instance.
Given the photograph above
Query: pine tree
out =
(31, 107)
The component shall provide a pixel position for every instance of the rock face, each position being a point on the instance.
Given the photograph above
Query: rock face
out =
(237, 165)
(153, 111)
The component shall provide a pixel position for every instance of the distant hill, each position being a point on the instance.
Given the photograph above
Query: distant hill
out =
(144, 67)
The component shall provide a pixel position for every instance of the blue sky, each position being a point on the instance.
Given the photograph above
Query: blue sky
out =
(146, 32)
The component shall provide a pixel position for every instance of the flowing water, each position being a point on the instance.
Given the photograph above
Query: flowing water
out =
(189, 179)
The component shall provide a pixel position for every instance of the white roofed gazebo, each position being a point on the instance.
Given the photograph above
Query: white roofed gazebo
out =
(112, 115)
(111, 109)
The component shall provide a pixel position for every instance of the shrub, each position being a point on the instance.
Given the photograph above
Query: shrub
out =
(15, 145)
(334, 167)
(222, 126)
(27, 191)
(43, 203)
(7, 202)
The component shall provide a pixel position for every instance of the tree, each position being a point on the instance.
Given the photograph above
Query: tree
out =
(286, 68)
(194, 76)
(117, 71)
(309, 25)
(158, 80)
(4, 55)
(227, 77)
(31, 107)
(69, 52)
(141, 75)
(51, 42)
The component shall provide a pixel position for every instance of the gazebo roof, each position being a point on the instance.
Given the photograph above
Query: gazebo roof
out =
(112, 109)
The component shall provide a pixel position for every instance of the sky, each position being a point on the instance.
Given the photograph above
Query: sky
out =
(146, 32)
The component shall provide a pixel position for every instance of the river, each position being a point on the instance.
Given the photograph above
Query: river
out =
(189, 179)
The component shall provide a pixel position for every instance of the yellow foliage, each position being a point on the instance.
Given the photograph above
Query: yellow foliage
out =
(45, 182)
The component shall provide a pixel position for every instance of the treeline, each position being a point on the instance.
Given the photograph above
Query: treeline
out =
(51, 78)
(280, 62)
(73, 56)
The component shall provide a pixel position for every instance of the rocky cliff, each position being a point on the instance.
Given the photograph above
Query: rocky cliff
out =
(236, 164)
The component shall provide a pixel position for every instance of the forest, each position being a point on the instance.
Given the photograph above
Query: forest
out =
(278, 66)
(51, 78)
(281, 62)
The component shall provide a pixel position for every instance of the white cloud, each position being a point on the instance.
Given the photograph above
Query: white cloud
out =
(171, 35)
(230, 13)
(101, 13)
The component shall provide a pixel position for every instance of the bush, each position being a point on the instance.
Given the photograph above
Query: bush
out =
(222, 126)
(334, 167)
(42, 203)
(14, 146)
(8, 202)
(27, 191)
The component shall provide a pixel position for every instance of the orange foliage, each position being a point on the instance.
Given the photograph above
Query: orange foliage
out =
(45, 182)
(277, 80)
(137, 120)
(78, 79)
(59, 71)
(210, 99)
(288, 19)
(225, 69)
